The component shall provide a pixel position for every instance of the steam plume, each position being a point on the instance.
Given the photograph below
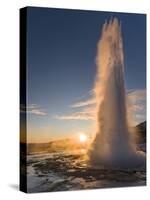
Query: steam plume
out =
(113, 145)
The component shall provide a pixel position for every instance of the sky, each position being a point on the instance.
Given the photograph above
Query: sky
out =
(61, 69)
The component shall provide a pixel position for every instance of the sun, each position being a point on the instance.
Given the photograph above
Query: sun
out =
(82, 137)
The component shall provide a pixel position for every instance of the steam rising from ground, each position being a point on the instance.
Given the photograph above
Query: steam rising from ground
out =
(113, 145)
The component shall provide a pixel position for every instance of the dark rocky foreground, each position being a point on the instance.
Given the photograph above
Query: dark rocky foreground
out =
(70, 171)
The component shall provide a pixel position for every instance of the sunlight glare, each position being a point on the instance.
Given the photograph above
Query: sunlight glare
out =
(82, 137)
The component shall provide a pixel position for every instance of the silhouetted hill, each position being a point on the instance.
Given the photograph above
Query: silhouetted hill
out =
(141, 129)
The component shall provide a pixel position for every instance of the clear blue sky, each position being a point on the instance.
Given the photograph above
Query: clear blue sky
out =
(61, 51)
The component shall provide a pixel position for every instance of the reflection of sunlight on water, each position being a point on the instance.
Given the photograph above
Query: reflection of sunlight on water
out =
(83, 151)
(77, 159)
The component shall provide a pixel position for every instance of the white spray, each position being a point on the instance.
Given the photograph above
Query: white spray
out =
(113, 146)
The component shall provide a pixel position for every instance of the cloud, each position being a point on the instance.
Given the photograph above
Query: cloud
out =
(32, 109)
(75, 116)
(85, 114)
(137, 100)
(90, 100)
(137, 95)
(37, 112)
(87, 102)
(137, 104)
(87, 108)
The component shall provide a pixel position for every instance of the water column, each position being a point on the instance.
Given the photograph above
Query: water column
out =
(112, 146)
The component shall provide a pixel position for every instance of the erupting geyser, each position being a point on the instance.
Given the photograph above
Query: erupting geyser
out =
(112, 146)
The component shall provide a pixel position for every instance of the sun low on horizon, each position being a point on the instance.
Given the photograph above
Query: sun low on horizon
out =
(83, 138)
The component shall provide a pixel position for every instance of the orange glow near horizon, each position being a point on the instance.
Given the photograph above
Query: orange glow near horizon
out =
(82, 137)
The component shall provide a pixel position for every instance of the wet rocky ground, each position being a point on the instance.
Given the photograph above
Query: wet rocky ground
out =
(70, 171)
